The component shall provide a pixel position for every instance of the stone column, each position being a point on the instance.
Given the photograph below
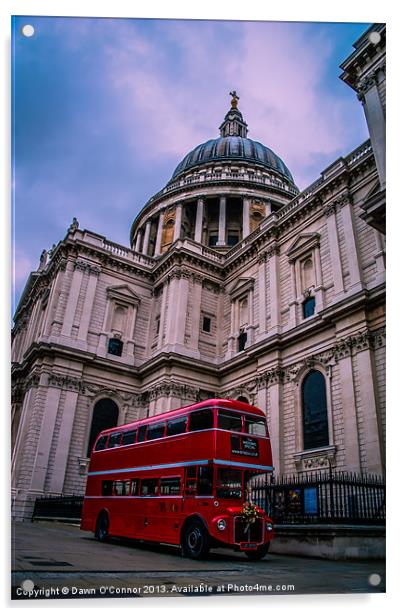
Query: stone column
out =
(262, 293)
(222, 222)
(138, 240)
(51, 304)
(162, 314)
(63, 443)
(94, 272)
(145, 245)
(275, 425)
(159, 235)
(371, 424)
(351, 244)
(181, 309)
(350, 429)
(41, 462)
(132, 317)
(73, 296)
(246, 216)
(177, 224)
(374, 112)
(199, 220)
(334, 250)
(319, 290)
(21, 434)
(274, 290)
(172, 307)
(293, 304)
(196, 312)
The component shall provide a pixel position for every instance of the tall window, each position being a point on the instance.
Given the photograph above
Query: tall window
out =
(308, 307)
(241, 341)
(315, 414)
(115, 347)
(105, 415)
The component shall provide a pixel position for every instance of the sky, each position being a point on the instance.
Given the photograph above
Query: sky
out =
(105, 109)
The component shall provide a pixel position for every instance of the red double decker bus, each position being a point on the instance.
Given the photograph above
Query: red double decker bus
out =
(183, 478)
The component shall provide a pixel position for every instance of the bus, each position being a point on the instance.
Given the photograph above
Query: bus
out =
(183, 477)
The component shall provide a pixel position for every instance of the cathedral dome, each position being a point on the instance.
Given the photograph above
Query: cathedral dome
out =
(233, 148)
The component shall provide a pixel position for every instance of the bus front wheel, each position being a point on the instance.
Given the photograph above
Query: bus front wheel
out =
(259, 553)
(102, 527)
(195, 542)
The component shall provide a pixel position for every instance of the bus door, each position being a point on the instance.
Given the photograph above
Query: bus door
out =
(198, 489)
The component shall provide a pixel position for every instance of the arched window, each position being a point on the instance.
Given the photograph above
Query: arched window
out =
(243, 399)
(315, 415)
(308, 274)
(105, 415)
(308, 307)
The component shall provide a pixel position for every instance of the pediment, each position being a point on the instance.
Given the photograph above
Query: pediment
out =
(302, 244)
(124, 293)
(242, 285)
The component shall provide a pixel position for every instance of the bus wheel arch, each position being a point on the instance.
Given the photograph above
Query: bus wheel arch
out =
(194, 538)
(102, 526)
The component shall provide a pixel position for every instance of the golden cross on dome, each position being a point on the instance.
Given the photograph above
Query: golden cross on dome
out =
(234, 100)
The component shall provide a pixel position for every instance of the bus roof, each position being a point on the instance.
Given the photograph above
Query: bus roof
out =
(212, 402)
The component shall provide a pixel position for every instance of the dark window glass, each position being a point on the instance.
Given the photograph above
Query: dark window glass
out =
(256, 426)
(233, 239)
(315, 416)
(115, 347)
(229, 421)
(191, 472)
(176, 426)
(241, 341)
(155, 431)
(141, 433)
(229, 483)
(205, 479)
(121, 488)
(114, 440)
(105, 416)
(135, 483)
(213, 239)
(206, 324)
(308, 307)
(158, 324)
(149, 487)
(101, 444)
(129, 437)
(201, 420)
(170, 486)
(107, 488)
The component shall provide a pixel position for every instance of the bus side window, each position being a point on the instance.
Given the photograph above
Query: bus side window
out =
(205, 480)
(149, 487)
(141, 433)
(229, 421)
(134, 487)
(170, 486)
(257, 426)
(129, 437)
(101, 443)
(155, 431)
(176, 426)
(121, 488)
(107, 488)
(201, 420)
(114, 440)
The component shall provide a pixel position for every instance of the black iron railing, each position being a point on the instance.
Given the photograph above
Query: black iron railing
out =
(58, 508)
(323, 497)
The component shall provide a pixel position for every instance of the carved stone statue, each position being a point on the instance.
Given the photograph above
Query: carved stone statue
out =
(74, 225)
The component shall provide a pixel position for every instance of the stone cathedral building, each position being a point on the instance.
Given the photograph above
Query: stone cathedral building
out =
(235, 284)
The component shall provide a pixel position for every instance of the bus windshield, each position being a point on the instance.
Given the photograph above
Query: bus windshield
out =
(229, 483)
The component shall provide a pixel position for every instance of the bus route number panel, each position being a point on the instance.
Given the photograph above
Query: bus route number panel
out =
(244, 445)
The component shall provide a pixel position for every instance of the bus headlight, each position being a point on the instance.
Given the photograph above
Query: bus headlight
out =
(221, 524)
(269, 527)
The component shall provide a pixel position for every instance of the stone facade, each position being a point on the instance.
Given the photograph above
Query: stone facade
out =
(209, 301)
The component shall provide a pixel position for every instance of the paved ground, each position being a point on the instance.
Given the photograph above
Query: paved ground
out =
(53, 560)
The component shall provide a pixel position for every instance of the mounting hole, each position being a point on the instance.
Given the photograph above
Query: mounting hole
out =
(375, 37)
(374, 579)
(28, 30)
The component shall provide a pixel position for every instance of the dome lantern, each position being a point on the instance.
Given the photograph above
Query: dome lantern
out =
(233, 124)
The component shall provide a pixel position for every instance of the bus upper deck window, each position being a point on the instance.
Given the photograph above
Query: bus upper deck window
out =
(201, 420)
(176, 426)
(141, 433)
(129, 437)
(155, 431)
(101, 443)
(114, 440)
(256, 426)
(229, 421)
